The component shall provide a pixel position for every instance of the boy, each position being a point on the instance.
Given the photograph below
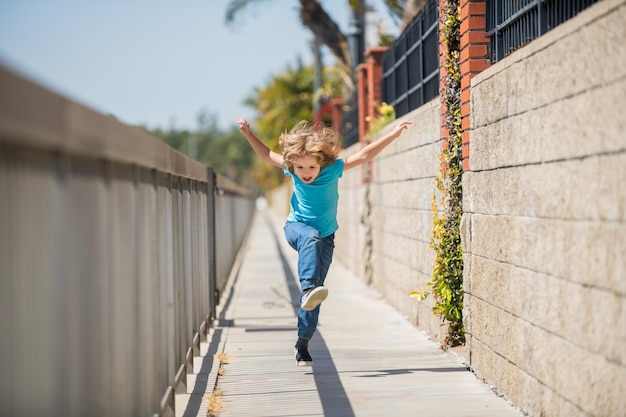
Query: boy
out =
(310, 158)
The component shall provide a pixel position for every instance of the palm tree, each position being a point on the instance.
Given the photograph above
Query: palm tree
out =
(326, 31)
(283, 102)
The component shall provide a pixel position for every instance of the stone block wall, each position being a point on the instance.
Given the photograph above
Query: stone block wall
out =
(385, 226)
(544, 229)
(544, 225)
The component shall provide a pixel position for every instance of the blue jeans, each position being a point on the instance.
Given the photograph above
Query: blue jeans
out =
(315, 255)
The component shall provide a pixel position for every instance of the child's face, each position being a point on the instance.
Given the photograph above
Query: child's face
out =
(306, 168)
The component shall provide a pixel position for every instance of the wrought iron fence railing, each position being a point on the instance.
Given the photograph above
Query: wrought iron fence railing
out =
(512, 24)
(411, 64)
(410, 71)
(350, 123)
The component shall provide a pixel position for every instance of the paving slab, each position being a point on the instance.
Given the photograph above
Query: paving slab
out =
(368, 359)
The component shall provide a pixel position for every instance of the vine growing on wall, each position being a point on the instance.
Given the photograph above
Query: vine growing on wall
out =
(447, 276)
(447, 280)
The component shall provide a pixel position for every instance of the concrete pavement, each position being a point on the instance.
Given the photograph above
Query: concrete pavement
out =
(368, 359)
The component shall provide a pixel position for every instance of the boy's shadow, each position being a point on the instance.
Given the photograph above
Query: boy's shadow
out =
(391, 372)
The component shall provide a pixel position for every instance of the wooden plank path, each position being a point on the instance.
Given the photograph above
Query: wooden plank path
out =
(368, 359)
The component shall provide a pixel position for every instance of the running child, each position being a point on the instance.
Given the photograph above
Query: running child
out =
(310, 158)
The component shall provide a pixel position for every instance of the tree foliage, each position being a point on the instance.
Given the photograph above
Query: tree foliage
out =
(285, 100)
(315, 18)
(227, 152)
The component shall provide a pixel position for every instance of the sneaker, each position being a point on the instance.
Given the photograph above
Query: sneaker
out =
(313, 297)
(303, 358)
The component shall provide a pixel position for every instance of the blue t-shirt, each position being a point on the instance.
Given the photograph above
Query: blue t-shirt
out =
(315, 204)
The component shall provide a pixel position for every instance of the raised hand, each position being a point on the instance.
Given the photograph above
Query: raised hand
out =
(244, 126)
(400, 127)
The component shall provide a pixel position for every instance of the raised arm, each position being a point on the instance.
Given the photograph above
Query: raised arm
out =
(370, 151)
(260, 148)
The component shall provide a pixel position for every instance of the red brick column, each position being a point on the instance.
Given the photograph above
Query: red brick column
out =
(474, 59)
(374, 58)
(362, 96)
(369, 88)
(369, 91)
(337, 113)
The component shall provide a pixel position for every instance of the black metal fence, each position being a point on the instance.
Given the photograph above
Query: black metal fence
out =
(512, 24)
(410, 70)
(350, 123)
(411, 64)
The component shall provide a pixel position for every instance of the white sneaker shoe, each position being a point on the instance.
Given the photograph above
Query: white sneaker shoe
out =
(313, 297)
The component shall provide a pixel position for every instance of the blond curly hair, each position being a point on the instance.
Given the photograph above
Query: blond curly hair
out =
(305, 139)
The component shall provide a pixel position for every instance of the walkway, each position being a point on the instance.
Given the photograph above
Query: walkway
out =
(369, 360)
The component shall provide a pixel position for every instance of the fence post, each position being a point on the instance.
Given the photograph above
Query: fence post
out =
(211, 246)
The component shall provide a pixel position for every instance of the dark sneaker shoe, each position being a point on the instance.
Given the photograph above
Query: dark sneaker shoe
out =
(303, 358)
(313, 297)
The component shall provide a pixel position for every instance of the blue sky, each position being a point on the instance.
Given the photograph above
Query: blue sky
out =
(156, 62)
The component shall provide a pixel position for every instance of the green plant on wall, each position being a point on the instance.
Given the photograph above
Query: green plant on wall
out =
(447, 275)
(386, 115)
